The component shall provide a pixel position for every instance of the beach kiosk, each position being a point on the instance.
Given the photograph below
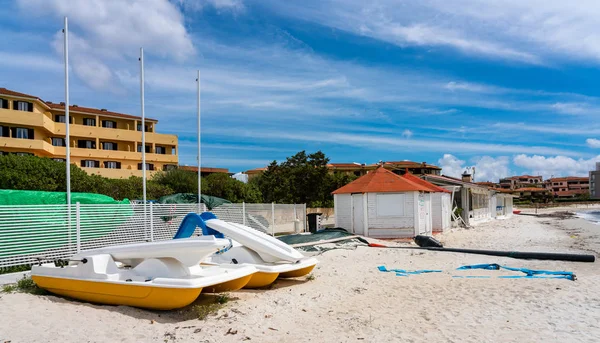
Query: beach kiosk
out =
(441, 204)
(382, 204)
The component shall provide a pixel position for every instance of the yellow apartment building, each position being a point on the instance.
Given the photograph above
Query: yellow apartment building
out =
(102, 142)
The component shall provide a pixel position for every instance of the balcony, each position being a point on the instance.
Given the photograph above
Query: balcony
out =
(115, 155)
(27, 144)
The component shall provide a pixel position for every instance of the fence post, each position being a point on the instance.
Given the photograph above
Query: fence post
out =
(244, 213)
(151, 223)
(304, 218)
(78, 225)
(272, 219)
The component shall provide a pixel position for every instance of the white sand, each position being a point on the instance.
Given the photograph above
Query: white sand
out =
(351, 301)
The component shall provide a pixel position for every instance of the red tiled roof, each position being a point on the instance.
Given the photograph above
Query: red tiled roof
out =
(531, 189)
(381, 181)
(256, 170)
(13, 93)
(205, 169)
(90, 110)
(568, 178)
(523, 177)
(571, 192)
(411, 164)
(344, 165)
(424, 183)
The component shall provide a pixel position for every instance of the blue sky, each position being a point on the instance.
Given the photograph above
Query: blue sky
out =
(508, 87)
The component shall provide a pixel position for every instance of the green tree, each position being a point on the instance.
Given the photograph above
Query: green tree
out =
(179, 180)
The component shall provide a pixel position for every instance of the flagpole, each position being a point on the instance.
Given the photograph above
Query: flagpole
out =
(67, 135)
(143, 131)
(199, 150)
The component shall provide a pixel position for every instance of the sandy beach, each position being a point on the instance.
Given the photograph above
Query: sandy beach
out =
(349, 300)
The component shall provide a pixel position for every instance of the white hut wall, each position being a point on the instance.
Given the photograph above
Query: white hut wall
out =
(391, 215)
(343, 210)
(440, 211)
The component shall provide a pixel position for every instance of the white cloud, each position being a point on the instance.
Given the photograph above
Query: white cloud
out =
(451, 165)
(105, 30)
(486, 168)
(533, 31)
(593, 142)
(407, 133)
(555, 165)
(233, 5)
(30, 61)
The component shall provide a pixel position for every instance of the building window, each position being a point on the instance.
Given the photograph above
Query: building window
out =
(89, 121)
(90, 164)
(109, 124)
(59, 118)
(23, 133)
(59, 160)
(161, 150)
(112, 165)
(168, 167)
(23, 106)
(109, 146)
(4, 131)
(85, 144)
(139, 127)
(148, 148)
(149, 166)
(4, 103)
(58, 141)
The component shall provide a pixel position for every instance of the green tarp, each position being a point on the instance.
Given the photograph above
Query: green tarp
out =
(27, 229)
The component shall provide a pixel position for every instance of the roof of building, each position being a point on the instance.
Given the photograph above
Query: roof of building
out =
(345, 165)
(381, 180)
(410, 164)
(205, 169)
(571, 192)
(486, 183)
(523, 177)
(531, 189)
(76, 108)
(425, 183)
(569, 178)
(13, 93)
(256, 170)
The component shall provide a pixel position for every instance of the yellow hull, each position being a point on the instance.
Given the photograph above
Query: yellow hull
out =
(298, 272)
(157, 298)
(228, 286)
(261, 279)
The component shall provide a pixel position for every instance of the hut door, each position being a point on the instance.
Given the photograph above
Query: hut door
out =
(358, 223)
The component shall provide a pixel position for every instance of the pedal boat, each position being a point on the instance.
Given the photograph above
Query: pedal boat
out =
(158, 275)
(270, 256)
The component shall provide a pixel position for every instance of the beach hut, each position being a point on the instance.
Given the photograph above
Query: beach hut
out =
(441, 205)
(382, 204)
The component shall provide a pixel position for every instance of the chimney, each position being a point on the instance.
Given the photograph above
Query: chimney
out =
(75, 106)
(49, 102)
(62, 103)
(103, 109)
(466, 177)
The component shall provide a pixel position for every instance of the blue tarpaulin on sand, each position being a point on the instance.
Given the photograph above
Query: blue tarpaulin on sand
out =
(402, 272)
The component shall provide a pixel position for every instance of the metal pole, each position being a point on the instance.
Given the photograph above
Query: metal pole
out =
(143, 133)
(272, 219)
(199, 150)
(151, 223)
(67, 135)
(304, 218)
(244, 213)
(78, 223)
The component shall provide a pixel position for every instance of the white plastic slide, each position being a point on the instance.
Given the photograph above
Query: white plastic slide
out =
(269, 248)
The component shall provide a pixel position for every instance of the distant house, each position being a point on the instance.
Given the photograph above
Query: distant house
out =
(477, 203)
(382, 204)
(521, 181)
(568, 187)
(533, 194)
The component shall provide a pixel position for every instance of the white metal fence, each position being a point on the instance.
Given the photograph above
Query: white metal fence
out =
(32, 231)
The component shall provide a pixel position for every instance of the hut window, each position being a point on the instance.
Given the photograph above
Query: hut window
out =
(390, 205)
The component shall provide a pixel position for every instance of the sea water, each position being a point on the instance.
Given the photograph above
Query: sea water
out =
(592, 216)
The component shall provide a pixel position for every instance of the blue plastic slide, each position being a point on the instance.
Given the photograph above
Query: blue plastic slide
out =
(191, 221)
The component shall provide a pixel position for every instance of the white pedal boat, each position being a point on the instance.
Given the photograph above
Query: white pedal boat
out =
(270, 256)
(157, 275)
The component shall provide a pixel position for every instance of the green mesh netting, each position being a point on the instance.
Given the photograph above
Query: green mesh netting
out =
(323, 235)
(26, 230)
